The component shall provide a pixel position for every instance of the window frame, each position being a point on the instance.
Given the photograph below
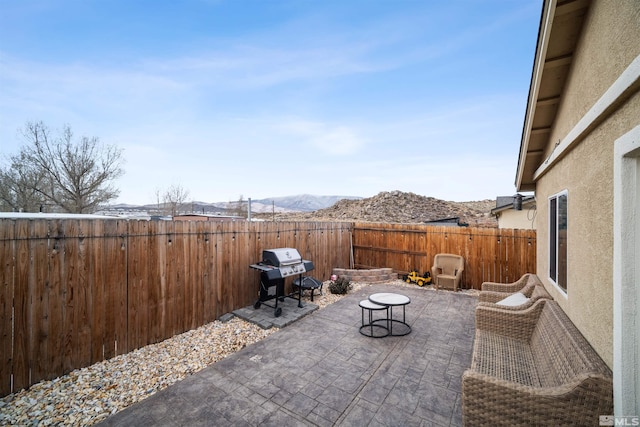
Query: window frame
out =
(558, 240)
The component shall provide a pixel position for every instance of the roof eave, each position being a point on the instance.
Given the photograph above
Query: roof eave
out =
(546, 20)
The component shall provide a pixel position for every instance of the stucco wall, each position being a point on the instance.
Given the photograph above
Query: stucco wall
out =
(511, 218)
(609, 43)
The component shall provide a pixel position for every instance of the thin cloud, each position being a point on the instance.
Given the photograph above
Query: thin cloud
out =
(329, 139)
(339, 141)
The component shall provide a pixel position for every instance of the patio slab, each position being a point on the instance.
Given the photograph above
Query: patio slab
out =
(264, 315)
(320, 371)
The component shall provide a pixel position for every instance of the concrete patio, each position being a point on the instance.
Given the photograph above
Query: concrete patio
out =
(320, 371)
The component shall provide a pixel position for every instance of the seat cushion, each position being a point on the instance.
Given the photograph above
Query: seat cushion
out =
(514, 300)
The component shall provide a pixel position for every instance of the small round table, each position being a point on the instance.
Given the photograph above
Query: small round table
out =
(391, 300)
(367, 329)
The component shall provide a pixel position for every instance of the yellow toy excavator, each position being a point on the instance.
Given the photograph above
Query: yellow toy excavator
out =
(414, 277)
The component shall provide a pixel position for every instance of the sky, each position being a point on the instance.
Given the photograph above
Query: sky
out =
(270, 98)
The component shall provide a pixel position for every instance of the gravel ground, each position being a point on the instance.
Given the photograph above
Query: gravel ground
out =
(89, 395)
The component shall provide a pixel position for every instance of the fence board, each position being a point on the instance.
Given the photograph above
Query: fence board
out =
(156, 276)
(120, 280)
(137, 266)
(84, 308)
(199, 271)
(210, 295)
(233, 258)
(57, 283)
(21, 377)
(222, 262)
(96, 280)
(69, 254)
(113, 267)
(185, 260)
(171, 282)
(7, 269)
(39, 301)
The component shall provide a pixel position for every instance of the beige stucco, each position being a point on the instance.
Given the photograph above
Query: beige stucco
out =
(524, 219)
(589, 298)
(609, 42)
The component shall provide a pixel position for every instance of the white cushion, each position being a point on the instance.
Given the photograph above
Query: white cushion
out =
(514, 300)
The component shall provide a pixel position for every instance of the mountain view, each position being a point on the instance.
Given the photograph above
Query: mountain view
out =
(393, 207)
(302, 202)
(297, 203)
(397, 207)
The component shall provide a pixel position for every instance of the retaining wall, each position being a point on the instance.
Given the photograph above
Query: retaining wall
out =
(373, 275)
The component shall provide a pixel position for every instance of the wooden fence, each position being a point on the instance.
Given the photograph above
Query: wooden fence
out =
(75, 292)
(490, 254)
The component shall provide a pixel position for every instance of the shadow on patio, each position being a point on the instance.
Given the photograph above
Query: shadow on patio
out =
(321, 371)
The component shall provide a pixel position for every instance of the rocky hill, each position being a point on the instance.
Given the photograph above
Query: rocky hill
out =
(397, 207)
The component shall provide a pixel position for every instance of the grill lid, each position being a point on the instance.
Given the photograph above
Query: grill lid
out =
(281, 257)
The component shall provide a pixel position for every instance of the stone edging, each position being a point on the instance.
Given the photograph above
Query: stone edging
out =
(373, 275)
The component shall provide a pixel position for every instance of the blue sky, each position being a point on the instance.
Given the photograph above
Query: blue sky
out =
(266, 98)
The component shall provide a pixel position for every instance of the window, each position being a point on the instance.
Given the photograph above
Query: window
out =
(558, 240)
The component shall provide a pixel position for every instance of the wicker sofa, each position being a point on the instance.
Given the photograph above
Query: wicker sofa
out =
(533, 367)
(516, 286)
(528, 285)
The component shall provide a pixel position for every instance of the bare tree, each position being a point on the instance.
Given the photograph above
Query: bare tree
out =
(174, 199)
(18, 187)
(76, 176)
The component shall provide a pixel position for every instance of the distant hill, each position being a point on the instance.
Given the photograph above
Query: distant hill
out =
(303, 202)
(298, 203)
(390, 207)
(399, 207)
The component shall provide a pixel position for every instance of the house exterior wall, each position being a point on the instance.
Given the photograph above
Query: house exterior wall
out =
(524, 219)
(608, 44)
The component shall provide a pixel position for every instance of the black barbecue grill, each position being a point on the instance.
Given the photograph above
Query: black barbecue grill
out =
(276, 265)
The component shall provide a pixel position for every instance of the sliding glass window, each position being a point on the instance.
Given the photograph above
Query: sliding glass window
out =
(558, 239)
